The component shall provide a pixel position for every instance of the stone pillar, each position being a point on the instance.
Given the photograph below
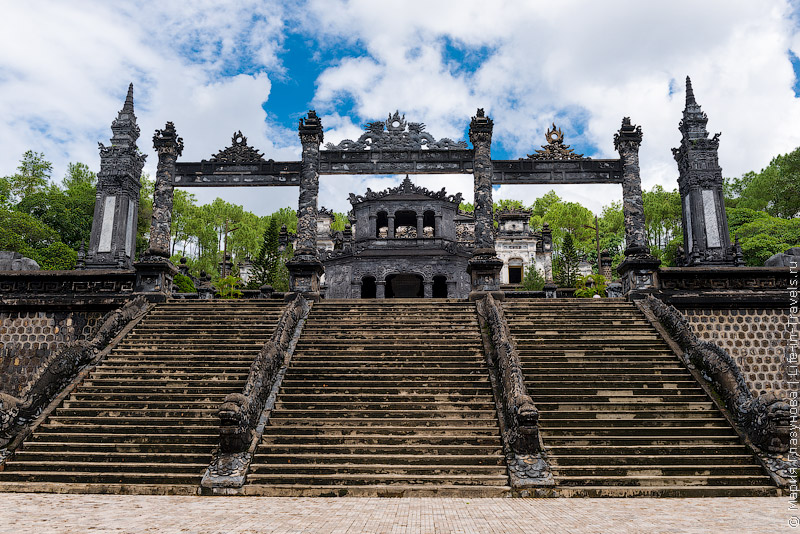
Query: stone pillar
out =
(427, 287)
(112, 243)
(638, 269)
(380, 289)
(706, 238)
(154, 273)
(169, 146)
(419, 226)
(305, 268)
(484, 265)
(550, 286)
(373, 226)
(390, 230)
(437, 225)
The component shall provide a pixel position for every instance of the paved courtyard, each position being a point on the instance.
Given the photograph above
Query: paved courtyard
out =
(45, 513)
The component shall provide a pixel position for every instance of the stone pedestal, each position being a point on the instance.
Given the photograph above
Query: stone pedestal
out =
(638, 273)
(154, 277)
(304, 275)
(484, 272)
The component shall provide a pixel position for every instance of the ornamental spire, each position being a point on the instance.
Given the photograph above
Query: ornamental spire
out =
(690, 101)
(124, 128)
(693, 125)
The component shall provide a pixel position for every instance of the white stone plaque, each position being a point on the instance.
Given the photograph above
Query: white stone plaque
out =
(130, 230)
(107, 229)
(710, 212)
(688, 206)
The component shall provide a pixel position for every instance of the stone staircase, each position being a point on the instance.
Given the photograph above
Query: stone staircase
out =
(620, 414)
(384, 397)
(145, 419)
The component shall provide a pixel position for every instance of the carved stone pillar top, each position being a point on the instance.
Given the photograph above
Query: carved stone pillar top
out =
(627, 142)
(310, 128)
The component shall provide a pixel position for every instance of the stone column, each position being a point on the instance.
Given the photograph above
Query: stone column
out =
(419, 226)
(373, 224)
(305, 268)
(639, 266)
(154, 273)
(390, 229)
(169, 146)
(484, 266)
(427, 288)
(437, 228)
(380, 289)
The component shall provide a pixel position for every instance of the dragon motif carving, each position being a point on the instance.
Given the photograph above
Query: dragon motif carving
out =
(60, 368)
(238, 152)
(522, 417)
(407, 187)
(555, 149)
(765, 418)
(396, 134)
(240, 412)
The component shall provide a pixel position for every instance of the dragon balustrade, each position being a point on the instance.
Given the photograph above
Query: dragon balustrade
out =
(525, 457)
(764, 418)
(60, 369)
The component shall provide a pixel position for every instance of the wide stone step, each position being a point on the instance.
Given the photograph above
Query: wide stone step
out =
(626, 414)
(431, 450)
(554, 422)
(664, 397)
(389, 406)
(664, 480)
(327, 396)
(638, 460)
(355, 430)
(193, 469)
(52, 446)
(612, 406)
(377, 468)
(102, 477)
(139, 403)
(270, 458)
(272, 440)
(618, 432)
(692, 449)
(377, 370)
(594, 471)
(40, 457)
(377, 478)
(359, 419)
(667, 491)
(178, 416)
(123, 427)
(390, 413)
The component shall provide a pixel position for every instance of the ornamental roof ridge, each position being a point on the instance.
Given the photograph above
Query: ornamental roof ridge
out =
(395, 133)
(238, 152)
(513, 212)
(406, 187)
(555, 149)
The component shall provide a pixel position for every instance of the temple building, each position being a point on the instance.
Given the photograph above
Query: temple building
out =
(408, 242)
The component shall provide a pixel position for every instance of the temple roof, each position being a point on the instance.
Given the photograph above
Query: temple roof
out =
(405, 190)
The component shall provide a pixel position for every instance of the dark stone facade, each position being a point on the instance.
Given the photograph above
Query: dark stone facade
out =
(405, 243)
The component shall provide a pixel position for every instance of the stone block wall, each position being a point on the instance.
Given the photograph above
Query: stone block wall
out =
(27, 337)
(756, 338)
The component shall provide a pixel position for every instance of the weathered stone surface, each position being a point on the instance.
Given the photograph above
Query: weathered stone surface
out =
(521, 431)
(169, 146)
(706, 237)
(784, 259)
(396, 134)
(480, 134)
(627, 142)
(61, 367)
(113, 237)
(14, 261)
(764, 418)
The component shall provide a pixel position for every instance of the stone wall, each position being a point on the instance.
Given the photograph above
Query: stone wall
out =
(27, 337)
(756, 338)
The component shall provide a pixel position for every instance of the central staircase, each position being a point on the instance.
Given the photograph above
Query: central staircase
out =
(620, 415)
(145, 419)
(384, 397)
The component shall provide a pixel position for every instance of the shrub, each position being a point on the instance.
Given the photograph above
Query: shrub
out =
(228, 287)
(184, 284)
(533, 279)
(590, 285)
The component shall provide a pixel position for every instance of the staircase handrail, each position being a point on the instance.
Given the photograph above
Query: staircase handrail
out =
(521, 415)
(240, 412)
(61, 367)
(765, 418)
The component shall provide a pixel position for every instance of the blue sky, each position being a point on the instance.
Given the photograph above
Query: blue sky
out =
(217, 67)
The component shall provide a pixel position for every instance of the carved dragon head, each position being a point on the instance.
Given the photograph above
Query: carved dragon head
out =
(768, 423)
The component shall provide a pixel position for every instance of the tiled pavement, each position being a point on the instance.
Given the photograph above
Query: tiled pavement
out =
(46, 513)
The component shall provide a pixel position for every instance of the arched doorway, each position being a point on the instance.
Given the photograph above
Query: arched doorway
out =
(439, 287)
(404, 286)
(368, 288)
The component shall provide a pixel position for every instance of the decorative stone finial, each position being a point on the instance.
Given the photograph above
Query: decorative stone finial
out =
(689, 93)
(167, 140)
(629, 135)
(480, 128)
(310, 128)
(555, 147)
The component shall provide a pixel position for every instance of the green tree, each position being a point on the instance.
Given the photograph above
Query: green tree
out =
(533, 279)
(265, 266)
(765, 236)
(776, 189)
(565, 263)
(33, 175)
(663, 220)
(145, 215)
